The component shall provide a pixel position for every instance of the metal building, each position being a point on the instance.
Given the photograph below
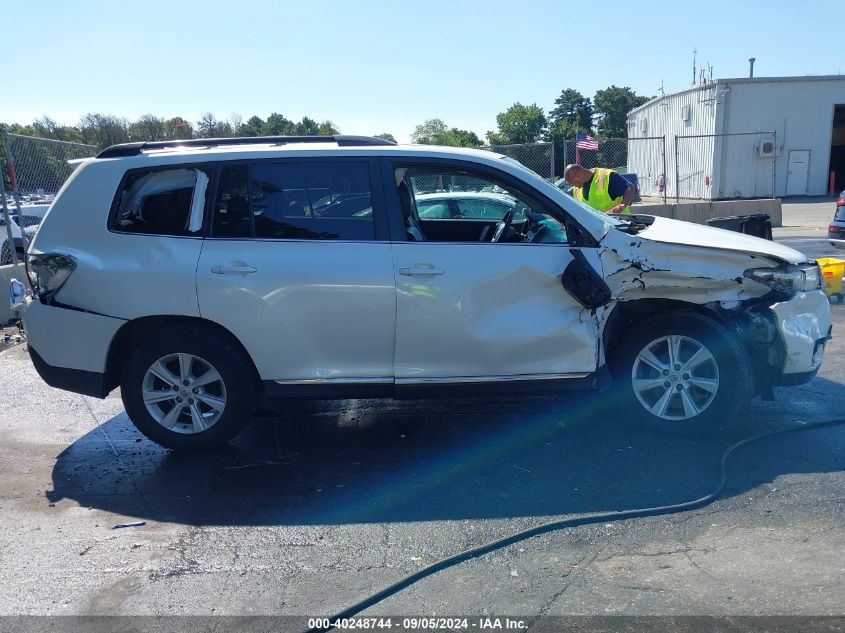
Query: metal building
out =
(743, 138)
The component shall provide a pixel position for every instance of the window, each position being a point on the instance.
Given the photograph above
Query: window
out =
(451, 205)
(317, 201)
(162, 202)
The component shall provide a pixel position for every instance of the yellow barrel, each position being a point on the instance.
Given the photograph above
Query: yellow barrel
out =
(832, 271)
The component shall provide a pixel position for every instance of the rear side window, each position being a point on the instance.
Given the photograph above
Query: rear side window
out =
(161, 202)
(316, 201)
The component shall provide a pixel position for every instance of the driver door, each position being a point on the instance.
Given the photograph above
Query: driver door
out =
(477, 311)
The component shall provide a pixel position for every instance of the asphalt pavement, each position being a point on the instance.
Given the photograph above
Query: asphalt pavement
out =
(314, 508)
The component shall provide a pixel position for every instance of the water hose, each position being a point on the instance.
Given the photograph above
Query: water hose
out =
(552, 526)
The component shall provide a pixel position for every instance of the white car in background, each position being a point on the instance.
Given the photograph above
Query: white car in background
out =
(203, 276)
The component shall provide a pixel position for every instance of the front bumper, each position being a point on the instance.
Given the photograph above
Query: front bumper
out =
(804, 326)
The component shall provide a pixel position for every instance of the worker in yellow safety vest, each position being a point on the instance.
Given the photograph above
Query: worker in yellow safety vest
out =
(602, 189)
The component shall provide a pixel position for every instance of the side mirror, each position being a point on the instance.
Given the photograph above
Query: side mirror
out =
(583, 283)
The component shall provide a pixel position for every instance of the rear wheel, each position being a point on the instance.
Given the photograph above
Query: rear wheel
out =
(188, 388)
(682, 372)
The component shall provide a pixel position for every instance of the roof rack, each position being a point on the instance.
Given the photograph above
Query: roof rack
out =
(342, 140)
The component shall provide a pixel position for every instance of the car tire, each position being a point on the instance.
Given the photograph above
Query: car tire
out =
(195, 369)
(709, 385)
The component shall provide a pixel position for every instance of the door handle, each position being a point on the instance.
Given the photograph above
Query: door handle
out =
(419, 270)
(227, 269)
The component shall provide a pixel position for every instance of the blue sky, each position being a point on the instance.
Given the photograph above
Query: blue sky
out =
(376, 66)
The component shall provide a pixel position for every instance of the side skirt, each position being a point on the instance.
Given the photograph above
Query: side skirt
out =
(415, 388)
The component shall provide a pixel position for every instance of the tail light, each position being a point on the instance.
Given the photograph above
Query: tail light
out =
(48, 272)
(833, 229)
(841, 201)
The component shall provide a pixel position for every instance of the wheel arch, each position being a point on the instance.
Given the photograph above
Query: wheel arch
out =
(626, 314)
(133, 331)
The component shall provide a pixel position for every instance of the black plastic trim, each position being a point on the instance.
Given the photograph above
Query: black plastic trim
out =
(342, 140)
(88, 383)
(793, 380)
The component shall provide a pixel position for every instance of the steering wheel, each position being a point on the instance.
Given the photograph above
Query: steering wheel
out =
(503, 226)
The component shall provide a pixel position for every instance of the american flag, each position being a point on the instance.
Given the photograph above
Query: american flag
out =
(585, 141)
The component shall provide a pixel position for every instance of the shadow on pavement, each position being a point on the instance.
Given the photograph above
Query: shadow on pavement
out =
(384, 461)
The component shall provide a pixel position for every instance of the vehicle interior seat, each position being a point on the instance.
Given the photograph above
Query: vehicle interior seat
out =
(413, 229)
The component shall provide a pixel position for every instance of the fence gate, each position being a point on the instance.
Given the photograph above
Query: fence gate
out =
(725, 166)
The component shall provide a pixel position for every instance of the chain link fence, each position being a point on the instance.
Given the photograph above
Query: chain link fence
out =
(37, 167)
(33, 171)
(539, 157)
(725, 166)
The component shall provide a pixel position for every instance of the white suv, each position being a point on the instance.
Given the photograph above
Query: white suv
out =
(202, 276)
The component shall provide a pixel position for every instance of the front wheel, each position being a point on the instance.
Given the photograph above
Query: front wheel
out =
(188, 388)
(682, 372)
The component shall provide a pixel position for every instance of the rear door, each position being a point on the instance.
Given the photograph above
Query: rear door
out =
(298, 267)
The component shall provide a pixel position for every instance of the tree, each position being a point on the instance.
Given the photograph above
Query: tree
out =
(573, 108)
(436, 132)
(177, 128)
(327, 128)
(386, 136)
(103, 129)
(460, 138)
(429, 132)
(307, 127)
(252, 127)
(612, 106)
(148, 128)
(277, 125)
(519, 124)
(210, 127)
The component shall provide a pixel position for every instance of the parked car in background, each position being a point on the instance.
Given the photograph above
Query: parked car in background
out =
(204, 276)
(465, 205)
(836, 230)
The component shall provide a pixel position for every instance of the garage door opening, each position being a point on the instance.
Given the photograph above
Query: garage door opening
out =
(837, 148)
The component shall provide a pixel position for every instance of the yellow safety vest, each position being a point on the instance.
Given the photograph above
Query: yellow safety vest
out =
(599, 197)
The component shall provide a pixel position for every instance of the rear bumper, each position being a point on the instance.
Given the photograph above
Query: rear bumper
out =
(88, 383)
(804, 326)
(69, 348)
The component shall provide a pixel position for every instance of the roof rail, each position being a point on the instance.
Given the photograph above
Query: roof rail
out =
(342, 140)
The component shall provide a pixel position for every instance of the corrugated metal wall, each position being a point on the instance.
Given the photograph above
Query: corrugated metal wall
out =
(797, 111)
(688, 112)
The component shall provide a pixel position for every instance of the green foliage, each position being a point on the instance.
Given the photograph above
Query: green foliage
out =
(386, 136)
(252, 127)
(519, 124)
(148, 128)
(327, 128)
(572, 111)
(436, 132)
(612, 106)
(103, 129)
(429, 132)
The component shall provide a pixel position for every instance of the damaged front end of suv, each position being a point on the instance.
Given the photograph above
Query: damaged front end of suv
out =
(768, 295)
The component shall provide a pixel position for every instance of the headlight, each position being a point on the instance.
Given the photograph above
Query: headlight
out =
(790, 279)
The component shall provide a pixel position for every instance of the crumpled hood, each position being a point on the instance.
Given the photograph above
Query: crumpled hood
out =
(689, 234)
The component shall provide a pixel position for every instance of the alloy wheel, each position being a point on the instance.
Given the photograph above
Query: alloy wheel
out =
(184, 393)
(675, 377)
